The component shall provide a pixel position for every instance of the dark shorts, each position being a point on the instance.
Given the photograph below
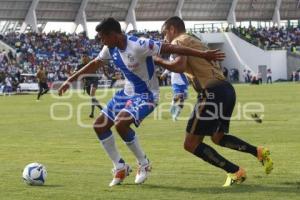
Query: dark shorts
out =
(43, 86)
(89, 85)
(213, 110)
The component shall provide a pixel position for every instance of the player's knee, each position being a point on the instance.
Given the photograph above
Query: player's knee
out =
(186, 146)
(190, 146)
(98, 127)
(121, 126)
(217, 137)
(101, 125)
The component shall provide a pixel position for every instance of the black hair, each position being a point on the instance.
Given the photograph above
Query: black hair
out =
(85, 53)
(109, 25)
(175, 21)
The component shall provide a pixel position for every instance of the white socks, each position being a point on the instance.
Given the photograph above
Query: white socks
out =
(136, 149)
(109, 146)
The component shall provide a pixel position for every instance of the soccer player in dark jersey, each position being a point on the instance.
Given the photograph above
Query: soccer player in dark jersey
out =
(215, 95)
(90, 85)
(42, 81)
(131, 105)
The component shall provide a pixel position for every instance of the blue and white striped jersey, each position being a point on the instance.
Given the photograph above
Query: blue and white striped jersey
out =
(136, 64)
(177, 78)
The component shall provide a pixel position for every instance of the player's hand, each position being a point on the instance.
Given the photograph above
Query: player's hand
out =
(63, 88)
(214, 55)
(157, 60)
(162, 77)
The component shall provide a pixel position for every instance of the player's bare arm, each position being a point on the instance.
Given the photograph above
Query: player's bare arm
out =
(210, 55)
(177, 65)
(90, 68)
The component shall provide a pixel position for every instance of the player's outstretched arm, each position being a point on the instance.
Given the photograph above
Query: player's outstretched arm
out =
(90, 68)
(210, 55)
(177, 65)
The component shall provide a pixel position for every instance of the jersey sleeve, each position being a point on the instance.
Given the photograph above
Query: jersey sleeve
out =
(104, 54)
(166, 72)
(147, 47)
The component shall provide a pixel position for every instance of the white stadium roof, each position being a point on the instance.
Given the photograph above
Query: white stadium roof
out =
(82, 11)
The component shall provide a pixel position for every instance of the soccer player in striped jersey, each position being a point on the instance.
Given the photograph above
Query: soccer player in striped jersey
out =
(179, 84)
(134, 58)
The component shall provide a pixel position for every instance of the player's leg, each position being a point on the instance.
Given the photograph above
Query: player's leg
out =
(45, 88)
(40, 91)
(123, 122)
(94, 102)
(202, 123)
(174, 100)
(102, 127)
(230, 141)
(225, 109)
(173, 105)
(137, 109)
(233, 142)
(88, 90)
(193, 144)
(179, 106)
(180, 93)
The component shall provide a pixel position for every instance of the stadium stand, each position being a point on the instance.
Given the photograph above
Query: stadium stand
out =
(59, 52)
(271, 38)
(24, 21)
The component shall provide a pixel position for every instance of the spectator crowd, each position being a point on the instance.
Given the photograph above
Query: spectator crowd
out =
(271, 38)
(60, 52)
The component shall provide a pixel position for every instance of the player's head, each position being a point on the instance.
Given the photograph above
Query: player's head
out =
(108, 30)
(85, 59)
(172, 27)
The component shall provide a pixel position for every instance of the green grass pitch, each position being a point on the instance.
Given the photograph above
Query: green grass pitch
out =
(78, 168)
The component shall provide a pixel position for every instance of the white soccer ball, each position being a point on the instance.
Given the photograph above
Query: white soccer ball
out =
(34, 174)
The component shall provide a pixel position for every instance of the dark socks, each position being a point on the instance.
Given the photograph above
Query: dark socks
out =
(95, 102)
(39, 95)
(211, 156)
(45, 91)
(100, 107)
(92, 111)
(235, 143)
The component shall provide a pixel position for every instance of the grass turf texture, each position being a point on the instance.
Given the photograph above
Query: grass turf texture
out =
(78, 167)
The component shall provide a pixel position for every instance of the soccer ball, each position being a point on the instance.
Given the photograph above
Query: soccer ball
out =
(34, 174)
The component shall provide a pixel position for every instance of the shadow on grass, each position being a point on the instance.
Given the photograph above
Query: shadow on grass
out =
(244, 188)
(51, 186)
